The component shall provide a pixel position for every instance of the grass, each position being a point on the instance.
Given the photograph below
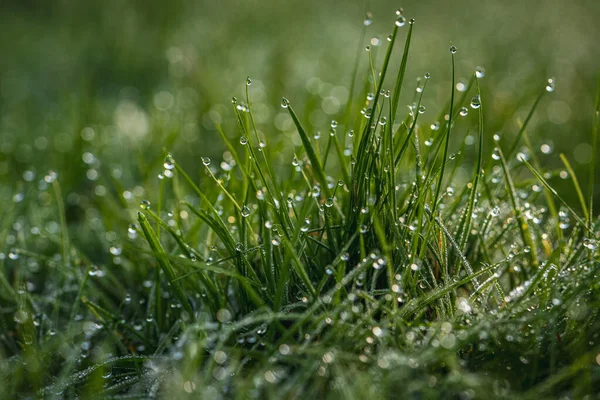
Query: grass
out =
(357, 268)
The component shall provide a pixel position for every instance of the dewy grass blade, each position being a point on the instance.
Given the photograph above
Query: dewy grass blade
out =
(164, 263)
(310, 152)
(466, 228)
(526, 234)
(515, 144)
(446, 140)
(564, 203)
(401, 72)
(584, 208)
(594, 160)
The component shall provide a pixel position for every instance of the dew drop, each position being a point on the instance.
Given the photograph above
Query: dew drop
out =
(284, 102)
(435, 126)
(248, 81)
(475, 102)
(550, 86)
(245, 211)
(145, 205)
(479, 72)
(243, 140)
(401, 21)
(453, 49)
(464, 111)
(329, 202)
(334, 124)
(206, 161)
(368, 19)
(51, 177)
(421, 109)
(169, 163)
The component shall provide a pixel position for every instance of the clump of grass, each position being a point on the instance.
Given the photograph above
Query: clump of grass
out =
(356, 269)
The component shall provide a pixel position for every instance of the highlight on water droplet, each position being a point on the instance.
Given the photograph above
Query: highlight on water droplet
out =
(401, 21)
(479, 72)
(243, 140)
(169, 163)
(453, 49)
(368, 19)
(248, 81)
(145, 205)
(284, 102)
(550, 85)
(475, 102)
(464, 111)
(206, 161)
(245, 211)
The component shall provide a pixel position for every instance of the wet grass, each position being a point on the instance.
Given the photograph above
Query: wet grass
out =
(361, 266)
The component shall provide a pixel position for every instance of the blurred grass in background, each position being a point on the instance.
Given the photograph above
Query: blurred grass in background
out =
(95, 90)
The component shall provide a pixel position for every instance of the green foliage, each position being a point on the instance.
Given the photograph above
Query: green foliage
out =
(354, 265)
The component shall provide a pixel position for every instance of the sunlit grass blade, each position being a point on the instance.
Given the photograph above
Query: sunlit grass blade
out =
(526, 234)
(562, 201)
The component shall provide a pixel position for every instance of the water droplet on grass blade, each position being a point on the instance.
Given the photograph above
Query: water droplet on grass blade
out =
(464, 111)
(475, 102)
(368, 19)
(479, 72)
(401, 21)
(169, 163)
(145, 205)
(285, 102)
(206, 161)
(245, 211)
(550, 85)
(248, 81)
(453, 49)
(243, 140)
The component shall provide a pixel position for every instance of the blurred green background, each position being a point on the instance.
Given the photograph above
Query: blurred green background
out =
(96, 89)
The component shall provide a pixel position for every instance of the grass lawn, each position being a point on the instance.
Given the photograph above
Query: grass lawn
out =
(327, 246)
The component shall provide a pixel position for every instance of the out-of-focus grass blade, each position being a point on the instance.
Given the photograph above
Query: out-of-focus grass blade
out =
(563, 202)
(576, 184)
